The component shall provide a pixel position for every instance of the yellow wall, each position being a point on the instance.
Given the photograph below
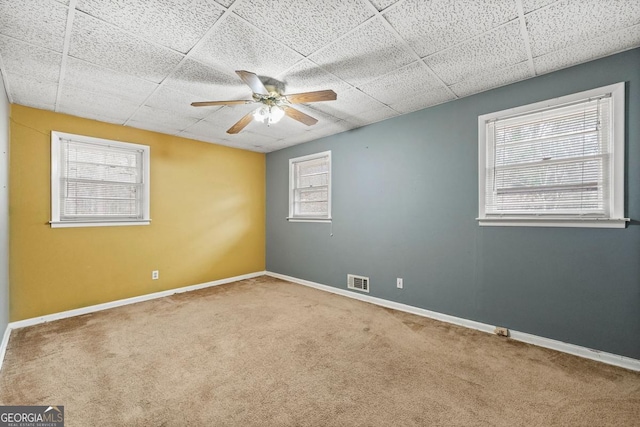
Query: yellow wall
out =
(207, 212)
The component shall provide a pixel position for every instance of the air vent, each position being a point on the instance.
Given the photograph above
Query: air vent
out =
(358, 283)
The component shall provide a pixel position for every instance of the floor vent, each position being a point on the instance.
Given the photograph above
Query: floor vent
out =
(358, 283)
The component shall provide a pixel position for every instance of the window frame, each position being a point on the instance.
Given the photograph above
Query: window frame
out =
(301, 218)
(56, 158)
(615, 219)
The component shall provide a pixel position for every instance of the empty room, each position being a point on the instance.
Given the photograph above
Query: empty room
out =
(320, 212)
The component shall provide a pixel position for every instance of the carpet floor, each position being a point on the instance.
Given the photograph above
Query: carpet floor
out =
(265, 352)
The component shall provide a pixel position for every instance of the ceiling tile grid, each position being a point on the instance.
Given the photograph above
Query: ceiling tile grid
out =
(434, 25)
(567, 22)
(29, 61)
(364, 54)
(143, 63)
(103, 44)
(236, 45)
(178, 24)
(39, 22)
(497, 49)
(32, 93)
(402, 83)
(493, 79)
(626, 38)
(304, 26)
(105, 81)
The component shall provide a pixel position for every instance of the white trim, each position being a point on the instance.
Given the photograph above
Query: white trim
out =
(308, 219)
(4, 344)
(67, 224)
(133, 300)
(555, 222)
(576, 350)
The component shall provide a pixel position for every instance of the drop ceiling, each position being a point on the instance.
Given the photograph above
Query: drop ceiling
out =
(141, 63)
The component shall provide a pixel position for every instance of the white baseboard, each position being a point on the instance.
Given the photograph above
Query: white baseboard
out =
(127, 301)
(576, 350)
(3, 344)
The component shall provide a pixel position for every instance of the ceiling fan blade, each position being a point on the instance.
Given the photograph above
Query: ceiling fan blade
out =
(320, 95)
(210, 103)
(252, 80)
(241, 124)
(300, 116)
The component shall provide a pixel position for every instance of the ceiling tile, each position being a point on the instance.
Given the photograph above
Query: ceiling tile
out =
(30, 61)
(306, 77)
(178, 102)
(163, 118)
(370, 51)
(434, 25)
(206, 83)
(152, 126)
(104, 108)
(102, 44)
(588, 50)
(401, 84)
(331, 129)
(178, 24)
(569, 22)
(84, 75)
(208, 131)
(349, 103)
(248, 139)
(65, 2)
(225, 3)
(495, 50)
(235, 45)
(38, 22)
(382, 4)
(218, 141)
(423, 100)
(32, 92)
(493, 79)
(372, 116)
(217, 123)
(304, 26)
(531, 5)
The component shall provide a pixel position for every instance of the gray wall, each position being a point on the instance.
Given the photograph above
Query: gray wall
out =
(405, 199)
(4, 210)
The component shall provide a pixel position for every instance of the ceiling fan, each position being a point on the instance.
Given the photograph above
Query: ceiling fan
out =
(274, 106)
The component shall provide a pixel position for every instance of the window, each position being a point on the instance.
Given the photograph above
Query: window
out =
(97, 182)
(556, 163)
(310, 188)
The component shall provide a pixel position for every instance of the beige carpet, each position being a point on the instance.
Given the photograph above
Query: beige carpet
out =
(265, 352)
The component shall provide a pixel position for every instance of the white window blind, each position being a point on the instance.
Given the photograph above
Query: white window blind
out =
(97, 181)
(557, 160)
(554, 161)
(310, 186)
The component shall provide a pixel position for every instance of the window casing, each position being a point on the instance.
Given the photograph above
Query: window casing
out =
(556, 163)
(98, 182)
(310, 188)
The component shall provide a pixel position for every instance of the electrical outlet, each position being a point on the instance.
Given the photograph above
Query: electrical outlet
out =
(399, 283)
(500, 331)
(155, 274)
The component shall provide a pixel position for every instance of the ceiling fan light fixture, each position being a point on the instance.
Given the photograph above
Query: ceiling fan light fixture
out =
(261, 114)
(275, 114)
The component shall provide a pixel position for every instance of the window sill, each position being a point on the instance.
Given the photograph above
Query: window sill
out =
(553, 222)
(72, 224)
(298, 219)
